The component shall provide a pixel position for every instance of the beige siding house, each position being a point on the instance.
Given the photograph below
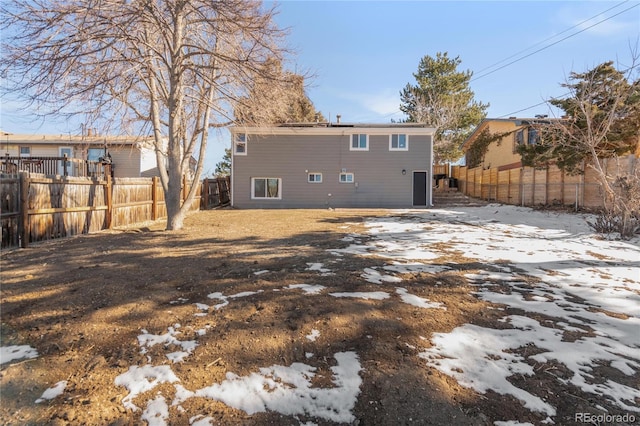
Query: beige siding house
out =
(502, 154)
(323, 165)
(130, 157)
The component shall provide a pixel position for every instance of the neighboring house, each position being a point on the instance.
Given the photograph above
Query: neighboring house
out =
(502, 154)
(130, 157)
(323, 165)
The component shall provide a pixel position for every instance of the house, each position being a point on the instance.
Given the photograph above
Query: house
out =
(502, 154)
(322, 165)
(129, 156)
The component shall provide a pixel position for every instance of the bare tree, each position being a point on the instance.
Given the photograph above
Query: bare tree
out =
(602, 123)
(294, 106)
(170, 68)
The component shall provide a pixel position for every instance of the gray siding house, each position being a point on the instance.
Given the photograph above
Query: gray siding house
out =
(323, 165)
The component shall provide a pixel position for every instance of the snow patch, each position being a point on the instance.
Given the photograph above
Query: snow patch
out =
(138, 380)
(289, 391)
(313, 335)
(418, 301)
(157, 412)
(307, 288)
(52, 392)
(10, 353)
(374, 295)
(376, 277)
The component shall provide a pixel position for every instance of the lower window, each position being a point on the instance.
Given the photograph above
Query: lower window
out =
(346, 177)
(266, 188)
(314, 178)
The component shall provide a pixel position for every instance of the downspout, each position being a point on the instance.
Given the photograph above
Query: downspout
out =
(430, 174)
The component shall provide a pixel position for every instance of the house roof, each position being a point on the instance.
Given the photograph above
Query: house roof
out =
(50, 139)
(334, 128)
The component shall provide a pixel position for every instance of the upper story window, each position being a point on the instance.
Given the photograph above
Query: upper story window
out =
(532, 136)
(359, 142)
(398, 142)
(314, 178)
(240, 144)
(25, 151)
(519, 137)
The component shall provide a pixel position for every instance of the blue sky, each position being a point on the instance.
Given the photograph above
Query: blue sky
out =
(362, 53)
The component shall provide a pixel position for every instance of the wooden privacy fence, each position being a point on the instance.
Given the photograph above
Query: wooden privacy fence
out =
(216, 192)
(527, 186)
(37, 208)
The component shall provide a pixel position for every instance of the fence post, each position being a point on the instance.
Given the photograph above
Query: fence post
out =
(205, 194)
(522, 187)
(562, 195)
(23, 219)
(108, 195)
(546, 186)
(220, 189)
(64, 165)
(154, 198)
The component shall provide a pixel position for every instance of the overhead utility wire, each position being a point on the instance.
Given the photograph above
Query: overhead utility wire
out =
(553, 97)
(554, 43)
(550, 38)
(543, 48)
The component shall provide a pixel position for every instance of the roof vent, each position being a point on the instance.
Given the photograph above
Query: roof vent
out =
(338, 117)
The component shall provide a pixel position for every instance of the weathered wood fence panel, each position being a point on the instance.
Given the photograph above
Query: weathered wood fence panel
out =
(9, 209)
(216, 192)
(529, 187)
(132, 201)
(35, 207)
(62, 207)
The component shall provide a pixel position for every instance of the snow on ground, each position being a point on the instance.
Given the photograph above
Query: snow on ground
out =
(555, 269)
(13, 352)
(307, 288)
(52, 392)
(585, 284)
(366, 295)
(288, 390)
(418, 301)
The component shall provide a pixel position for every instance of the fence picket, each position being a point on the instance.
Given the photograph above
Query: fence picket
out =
(36, 208)
(527, 186)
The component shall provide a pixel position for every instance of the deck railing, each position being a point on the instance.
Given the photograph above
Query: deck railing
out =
(52, 166)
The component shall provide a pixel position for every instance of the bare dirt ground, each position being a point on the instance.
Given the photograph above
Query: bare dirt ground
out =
(82, 303)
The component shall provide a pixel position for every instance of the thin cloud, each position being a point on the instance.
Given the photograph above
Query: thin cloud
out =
(382, 102)
(605, 24)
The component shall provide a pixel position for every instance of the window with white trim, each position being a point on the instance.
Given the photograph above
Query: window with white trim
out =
(314, 178)
(266, 188)
(346, 178)
(96, 154)
(398, 142)
(240, 144)
(359, 142)
(25, 151)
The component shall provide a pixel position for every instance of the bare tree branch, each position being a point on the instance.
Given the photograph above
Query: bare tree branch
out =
(174, 68)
